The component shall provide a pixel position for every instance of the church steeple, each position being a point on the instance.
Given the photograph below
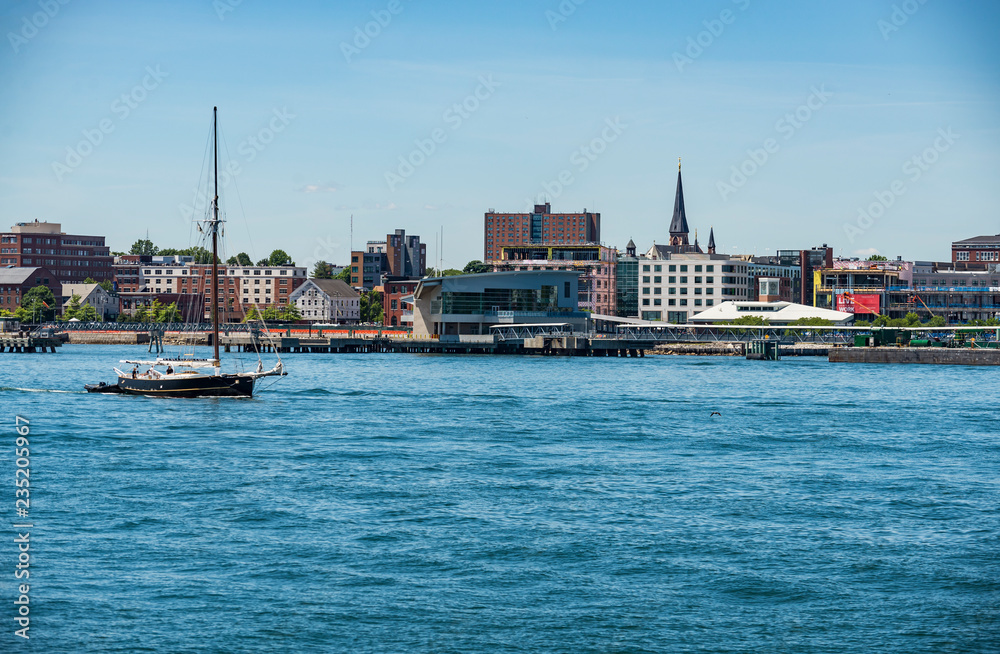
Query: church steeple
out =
(679, 223)
(711, 240)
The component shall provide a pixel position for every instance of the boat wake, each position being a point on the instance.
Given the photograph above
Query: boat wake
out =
(6, 389)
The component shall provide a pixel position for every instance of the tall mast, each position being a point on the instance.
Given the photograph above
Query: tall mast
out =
(215, 237)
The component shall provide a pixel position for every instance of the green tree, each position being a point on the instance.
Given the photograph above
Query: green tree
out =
(279, 258)
(241, 259)
(37, 304)
(291, 313)
(447, 272)
(262, 262)
(912, 320)
(877, 257)
(168, 313)
(108, 285)
(371, 306)
(937, 321)
(754, 321)
(87, 313)
(144, 247)
(322, 270)
(73, 309)
(812, 322)
(475, 267)
(344, 275)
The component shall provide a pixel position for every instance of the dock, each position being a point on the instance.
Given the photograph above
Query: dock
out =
(28, 343)
(928, 355)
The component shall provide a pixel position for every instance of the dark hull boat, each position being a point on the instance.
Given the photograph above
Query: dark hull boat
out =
(181, 385)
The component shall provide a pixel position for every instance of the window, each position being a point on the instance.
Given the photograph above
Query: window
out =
(684, 291)
(709, 291)
(684, 268)
(684, 303)
(671, 302)
(566, 289)
(645, 302)
(672, 291)
(657, 302)
(673, 269)
(710, 280)
(709, 303)
(684, 280)
(645, 290)
(697, 302)
(961, 256)
(645, 269)
(697, 268)
(656, 290)
(657, 268)
(671, 280)
(657, 280)
(697, 280)
(645, 279)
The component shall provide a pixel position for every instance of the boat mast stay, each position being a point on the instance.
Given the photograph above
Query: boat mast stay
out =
(215, 238)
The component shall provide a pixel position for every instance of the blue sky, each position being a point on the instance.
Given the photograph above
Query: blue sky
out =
(869, 125)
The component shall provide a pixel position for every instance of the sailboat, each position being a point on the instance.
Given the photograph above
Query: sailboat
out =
(194, 377)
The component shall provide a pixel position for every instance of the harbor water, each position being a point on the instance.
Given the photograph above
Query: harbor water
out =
(429, 503)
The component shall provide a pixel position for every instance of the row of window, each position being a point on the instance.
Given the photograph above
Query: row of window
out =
(683, 267)
(673, 303)
(673, 291)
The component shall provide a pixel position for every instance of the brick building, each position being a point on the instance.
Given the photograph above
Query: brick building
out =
(398, 255)
(976, 253)
(540, 227)
(16, 281)
(71, 258)
(395, 312)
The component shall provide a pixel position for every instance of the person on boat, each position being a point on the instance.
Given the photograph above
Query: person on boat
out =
(135, 371)
(170, 369)
(149, 373)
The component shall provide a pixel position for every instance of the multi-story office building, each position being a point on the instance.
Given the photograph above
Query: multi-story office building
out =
(808, 261)
(240, 287)
(71, 258)
(975, 253)
(398, 255)
(540, 227)
(938, 289)
(674, 289)
(597, 288)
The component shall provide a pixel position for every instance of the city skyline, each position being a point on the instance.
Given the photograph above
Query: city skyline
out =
(868, 126)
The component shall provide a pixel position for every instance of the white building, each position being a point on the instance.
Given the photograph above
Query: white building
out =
(776, 313)
(674, 289)
(327, 301)
(94, 295)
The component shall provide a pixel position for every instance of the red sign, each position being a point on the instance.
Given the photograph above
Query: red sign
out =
(859, 303)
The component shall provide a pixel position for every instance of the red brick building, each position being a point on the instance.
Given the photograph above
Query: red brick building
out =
(15, 282)
(394, 312)
(976, 253)
(541, 227)
(71, 258)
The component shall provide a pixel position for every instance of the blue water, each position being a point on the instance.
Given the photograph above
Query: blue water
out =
(422, 503)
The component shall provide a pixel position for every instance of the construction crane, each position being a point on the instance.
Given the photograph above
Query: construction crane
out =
(917, 297)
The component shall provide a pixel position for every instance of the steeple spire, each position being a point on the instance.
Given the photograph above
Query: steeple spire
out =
(679, 224)
(711, 240)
